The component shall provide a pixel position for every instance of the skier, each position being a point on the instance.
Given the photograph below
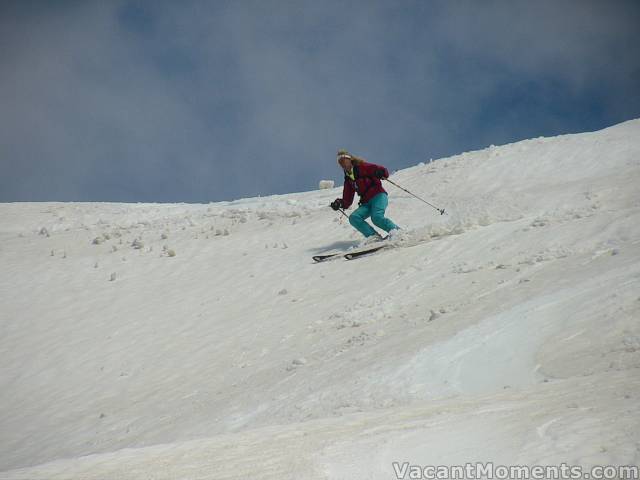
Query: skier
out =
(365, 179)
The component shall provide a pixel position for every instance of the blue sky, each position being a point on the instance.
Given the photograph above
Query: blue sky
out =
(198, 101)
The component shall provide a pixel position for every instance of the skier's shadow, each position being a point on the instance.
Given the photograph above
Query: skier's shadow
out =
(342, 245)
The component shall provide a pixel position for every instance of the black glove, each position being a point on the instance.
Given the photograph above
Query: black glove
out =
(380, 173)
(337, 204)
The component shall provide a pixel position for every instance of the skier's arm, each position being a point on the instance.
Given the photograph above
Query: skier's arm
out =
(373, 170)
(347, 194)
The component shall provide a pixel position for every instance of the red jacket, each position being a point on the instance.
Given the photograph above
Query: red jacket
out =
(366, 184)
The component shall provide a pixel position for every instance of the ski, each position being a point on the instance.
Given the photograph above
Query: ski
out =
(352, 254)
(361, 253)
(327, 256)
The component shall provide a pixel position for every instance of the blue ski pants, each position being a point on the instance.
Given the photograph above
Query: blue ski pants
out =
(374, 208)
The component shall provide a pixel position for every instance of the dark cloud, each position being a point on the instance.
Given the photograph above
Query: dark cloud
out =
(199, 101)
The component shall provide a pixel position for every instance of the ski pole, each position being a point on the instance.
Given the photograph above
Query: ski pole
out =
(441, 210)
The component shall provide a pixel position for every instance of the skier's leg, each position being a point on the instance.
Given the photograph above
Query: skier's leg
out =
(378, 205)
(357, 219)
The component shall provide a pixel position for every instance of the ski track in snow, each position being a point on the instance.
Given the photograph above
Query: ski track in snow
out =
(201, 341)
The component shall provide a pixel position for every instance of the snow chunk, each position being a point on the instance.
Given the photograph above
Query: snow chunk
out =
(326, 184)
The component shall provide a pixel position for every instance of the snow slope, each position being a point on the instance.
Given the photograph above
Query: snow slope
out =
(200, 341)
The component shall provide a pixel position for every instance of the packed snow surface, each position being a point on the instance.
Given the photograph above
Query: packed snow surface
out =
(201, 341)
